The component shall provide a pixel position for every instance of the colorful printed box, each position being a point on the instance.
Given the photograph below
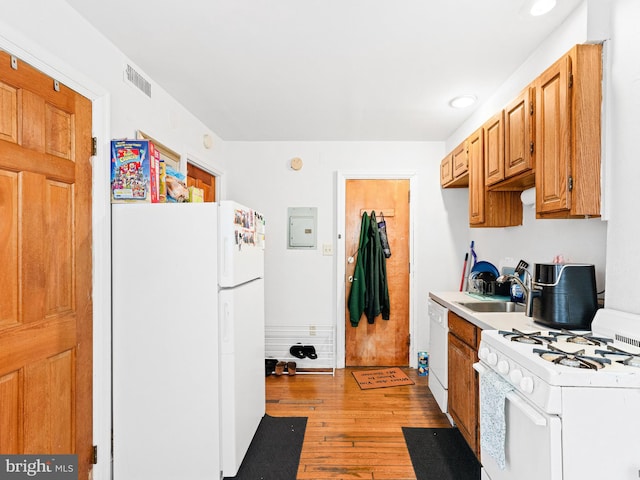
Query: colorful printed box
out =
(423, 364)
(134, 171)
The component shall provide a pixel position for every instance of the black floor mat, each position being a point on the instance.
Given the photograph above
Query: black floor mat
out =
(440, 454)
(274, 453)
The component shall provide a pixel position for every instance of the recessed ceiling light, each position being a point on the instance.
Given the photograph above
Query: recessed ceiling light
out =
(463, 101)
(540, 7)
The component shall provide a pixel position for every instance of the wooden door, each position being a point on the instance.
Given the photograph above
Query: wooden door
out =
(45, 267)
(385, 342)
(553, 130)
(476, 177)
(463, 405)
(201, 179)
(446, 170)
(518, 126)
(494, 149)
(460, 160)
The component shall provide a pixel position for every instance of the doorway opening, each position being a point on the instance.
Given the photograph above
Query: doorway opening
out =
(350, 343)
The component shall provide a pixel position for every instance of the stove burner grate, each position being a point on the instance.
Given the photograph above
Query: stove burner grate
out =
(571, 359)
(580, 338)
(535, 338)
(630, 359)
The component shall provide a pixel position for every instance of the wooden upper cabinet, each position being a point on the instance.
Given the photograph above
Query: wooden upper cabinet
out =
(460, 160)
(519, 138)
(567, 132)
(494, 149)
(489, 208)
(454, 168)
(476, 177)
(446, 170)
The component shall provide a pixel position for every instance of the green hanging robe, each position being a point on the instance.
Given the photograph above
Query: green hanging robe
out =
(357, 296)
(369, 290)
(377, 290)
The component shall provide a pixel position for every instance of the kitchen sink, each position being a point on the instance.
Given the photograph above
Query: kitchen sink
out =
(493, 306)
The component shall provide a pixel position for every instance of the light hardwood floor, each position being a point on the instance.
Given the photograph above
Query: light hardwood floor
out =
(353, 433)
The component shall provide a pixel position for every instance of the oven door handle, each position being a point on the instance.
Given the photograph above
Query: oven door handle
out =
(518, 401)
(527, 409)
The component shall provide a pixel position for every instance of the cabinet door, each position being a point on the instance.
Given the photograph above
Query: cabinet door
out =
(518, 130)
(476, 177)
(446, 170)
(553, 132)
(460, 160)
(494, 149)
(463, 390)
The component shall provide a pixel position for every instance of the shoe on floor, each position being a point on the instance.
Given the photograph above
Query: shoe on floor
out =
(291, 367)
(280, 368)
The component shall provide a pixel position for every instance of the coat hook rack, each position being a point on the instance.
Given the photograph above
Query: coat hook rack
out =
(387, 212)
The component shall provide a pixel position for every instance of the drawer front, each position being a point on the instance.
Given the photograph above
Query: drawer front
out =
(465, 331)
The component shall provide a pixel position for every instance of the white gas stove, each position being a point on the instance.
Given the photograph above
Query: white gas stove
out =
(563, 387)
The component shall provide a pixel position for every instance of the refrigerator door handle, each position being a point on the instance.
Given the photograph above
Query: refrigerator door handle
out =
(226, 324)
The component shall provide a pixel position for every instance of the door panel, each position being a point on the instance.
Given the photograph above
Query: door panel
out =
(45, 267)
(199, 178)
(385, 342)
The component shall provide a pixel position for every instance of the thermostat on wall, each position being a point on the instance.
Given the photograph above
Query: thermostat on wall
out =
(303, 223)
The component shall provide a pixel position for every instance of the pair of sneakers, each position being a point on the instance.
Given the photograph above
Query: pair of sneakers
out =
(288, 367)
(303, 351)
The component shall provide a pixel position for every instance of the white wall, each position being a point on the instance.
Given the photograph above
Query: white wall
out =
(623, 252)
(301, 285)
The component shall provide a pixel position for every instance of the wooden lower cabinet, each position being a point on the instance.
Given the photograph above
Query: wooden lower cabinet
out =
(463, 379)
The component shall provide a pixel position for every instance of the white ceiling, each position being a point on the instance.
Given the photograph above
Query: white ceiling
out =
(325, 69)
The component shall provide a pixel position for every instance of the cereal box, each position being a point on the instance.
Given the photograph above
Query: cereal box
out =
(134, 171)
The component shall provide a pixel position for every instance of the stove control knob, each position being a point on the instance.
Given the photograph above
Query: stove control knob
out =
(503, 367)
(492, 358)
(516, 376)
(483, 353)
(526, 384)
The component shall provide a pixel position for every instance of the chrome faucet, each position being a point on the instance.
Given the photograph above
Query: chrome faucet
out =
(527, 288)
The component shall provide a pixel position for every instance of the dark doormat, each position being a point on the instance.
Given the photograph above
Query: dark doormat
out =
(440, 454)
(274, 453)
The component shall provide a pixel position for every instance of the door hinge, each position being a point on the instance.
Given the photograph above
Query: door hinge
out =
(570, 80)
(94, 146)
(531, 148)
(408, 196)
(570, 183)
(94, 455)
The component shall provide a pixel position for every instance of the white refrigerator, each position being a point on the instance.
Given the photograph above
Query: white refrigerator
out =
(241, 316)
(179, 381)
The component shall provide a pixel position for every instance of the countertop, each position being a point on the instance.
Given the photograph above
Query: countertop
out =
(485, 321)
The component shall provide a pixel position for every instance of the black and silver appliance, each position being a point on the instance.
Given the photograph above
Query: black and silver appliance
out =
(564, 295)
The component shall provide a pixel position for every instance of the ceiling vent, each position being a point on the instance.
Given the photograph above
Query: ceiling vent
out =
(135, 79)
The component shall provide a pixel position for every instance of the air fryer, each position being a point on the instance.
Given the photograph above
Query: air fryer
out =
(564, 295)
